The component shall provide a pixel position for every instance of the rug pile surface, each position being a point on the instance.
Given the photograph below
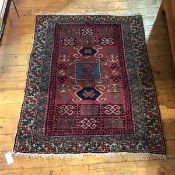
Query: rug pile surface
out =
(89, 88)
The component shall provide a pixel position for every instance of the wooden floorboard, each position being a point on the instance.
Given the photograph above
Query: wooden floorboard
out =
(14, 58)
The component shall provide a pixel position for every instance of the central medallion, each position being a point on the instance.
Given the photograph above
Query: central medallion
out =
(87, 71)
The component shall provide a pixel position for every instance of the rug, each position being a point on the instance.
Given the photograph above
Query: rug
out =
(89, 89)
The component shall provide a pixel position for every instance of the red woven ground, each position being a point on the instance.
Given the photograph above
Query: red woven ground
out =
(89, 91)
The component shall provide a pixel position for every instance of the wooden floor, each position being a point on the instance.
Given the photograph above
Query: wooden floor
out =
(14, 56)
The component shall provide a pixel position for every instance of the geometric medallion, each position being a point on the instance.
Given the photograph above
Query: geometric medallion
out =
(88, 93)
(87, 71)
(87, 51)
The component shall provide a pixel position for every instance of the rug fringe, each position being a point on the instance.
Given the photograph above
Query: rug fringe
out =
(89, 12)
(124, 155)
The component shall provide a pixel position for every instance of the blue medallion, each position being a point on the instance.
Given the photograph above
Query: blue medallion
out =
(87, 71)
(87, 51)
(88, 93)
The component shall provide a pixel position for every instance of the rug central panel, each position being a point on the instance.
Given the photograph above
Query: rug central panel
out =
(89, 91)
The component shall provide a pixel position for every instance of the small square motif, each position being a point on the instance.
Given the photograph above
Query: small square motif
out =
(67, 123)
(89, 110)
(87, 71)
(113, 122)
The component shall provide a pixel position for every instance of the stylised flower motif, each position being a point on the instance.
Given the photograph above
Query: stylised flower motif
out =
(87, 31)
(115, 72)
(107, 41)
(90, 94)
(62, 79)
(114, 66)
(116, 79)
(68, 41)
(87, 51)
(61, 66)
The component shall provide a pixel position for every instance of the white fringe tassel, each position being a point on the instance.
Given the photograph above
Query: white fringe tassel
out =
(123, 155)
(89, 12)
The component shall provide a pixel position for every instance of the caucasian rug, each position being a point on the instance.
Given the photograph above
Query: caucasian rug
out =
(90, 89)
